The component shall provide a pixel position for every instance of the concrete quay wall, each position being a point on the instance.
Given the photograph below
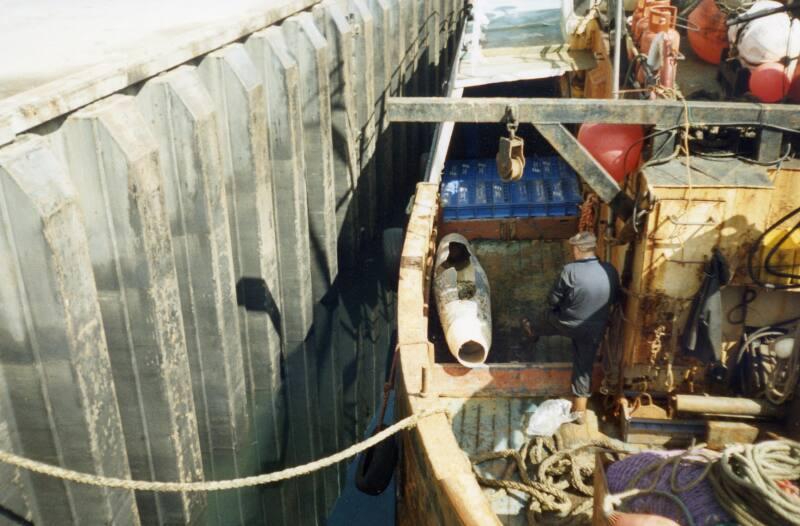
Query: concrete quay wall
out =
(169, 260)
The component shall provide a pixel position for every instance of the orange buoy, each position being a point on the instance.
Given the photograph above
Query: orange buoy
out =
(769, 82)
(612, 145)
(707, 32)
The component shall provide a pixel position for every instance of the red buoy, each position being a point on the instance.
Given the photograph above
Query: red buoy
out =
(613, 144)
(707, 32)
(769, 82)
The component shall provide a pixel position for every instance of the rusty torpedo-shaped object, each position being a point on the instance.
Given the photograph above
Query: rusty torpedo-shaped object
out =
(462, 299)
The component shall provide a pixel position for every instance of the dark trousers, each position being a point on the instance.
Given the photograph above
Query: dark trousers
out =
(585, 342)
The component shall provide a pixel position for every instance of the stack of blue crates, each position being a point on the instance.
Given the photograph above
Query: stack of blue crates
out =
(472, 189)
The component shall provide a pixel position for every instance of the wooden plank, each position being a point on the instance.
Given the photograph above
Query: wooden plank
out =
(721, 434)
(516, 228)
(549, 111)
(469, 434)
(280, 73)
(16, 488)
(233, 82)
(506, 380)
(384, 51)
(411, 86)
(516, 502)
(770, 144)
(500, 440)
(412, 318)
(580, 160)
(184, 119)
(330, 389)
(397, 36)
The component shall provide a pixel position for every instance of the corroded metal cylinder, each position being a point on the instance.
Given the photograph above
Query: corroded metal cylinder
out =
(462, 298)
(720, 405)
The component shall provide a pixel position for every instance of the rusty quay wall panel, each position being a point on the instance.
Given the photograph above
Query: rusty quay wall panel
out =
(183, 291)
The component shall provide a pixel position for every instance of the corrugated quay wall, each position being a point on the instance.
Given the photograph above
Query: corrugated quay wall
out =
(182, 288)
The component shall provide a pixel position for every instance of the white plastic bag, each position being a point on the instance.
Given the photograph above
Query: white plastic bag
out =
(548, 417)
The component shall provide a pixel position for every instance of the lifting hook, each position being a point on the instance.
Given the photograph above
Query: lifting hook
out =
(510, 153)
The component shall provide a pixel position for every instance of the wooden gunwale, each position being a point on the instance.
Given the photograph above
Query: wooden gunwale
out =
(438, 486)
(559, 111)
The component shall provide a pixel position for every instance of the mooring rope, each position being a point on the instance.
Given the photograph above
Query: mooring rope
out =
(217, 485)
(753, 482)
(553, 461)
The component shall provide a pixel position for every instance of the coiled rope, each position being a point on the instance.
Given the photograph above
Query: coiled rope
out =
(750, 482)
(557, 469)
(217, 485)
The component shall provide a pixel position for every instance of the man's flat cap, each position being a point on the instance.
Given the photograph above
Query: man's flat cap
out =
(583, 240)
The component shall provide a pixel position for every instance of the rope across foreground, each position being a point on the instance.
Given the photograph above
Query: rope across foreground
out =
(218, 485)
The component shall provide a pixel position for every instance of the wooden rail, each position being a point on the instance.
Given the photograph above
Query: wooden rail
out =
(555, 111)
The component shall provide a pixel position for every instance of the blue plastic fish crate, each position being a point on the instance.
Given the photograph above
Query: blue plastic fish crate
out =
(472, 189)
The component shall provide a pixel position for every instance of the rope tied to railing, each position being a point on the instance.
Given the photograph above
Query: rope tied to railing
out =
(218, 485)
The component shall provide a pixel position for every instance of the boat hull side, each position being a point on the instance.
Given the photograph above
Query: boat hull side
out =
(436, 480)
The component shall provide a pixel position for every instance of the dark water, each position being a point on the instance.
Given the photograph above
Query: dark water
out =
(354, 508)
(354, 335)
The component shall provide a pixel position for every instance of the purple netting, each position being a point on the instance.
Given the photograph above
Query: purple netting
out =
(700, 500)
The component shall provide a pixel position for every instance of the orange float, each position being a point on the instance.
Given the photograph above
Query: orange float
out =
(707, 34)
(612, 145)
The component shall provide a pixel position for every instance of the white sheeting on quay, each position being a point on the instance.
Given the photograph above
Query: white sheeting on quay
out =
(510, 40)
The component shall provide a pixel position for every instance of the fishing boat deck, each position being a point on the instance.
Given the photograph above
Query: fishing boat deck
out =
(492, 424)
(524, 270)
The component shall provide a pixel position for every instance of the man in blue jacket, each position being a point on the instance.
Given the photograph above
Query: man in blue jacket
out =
(579, 307)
